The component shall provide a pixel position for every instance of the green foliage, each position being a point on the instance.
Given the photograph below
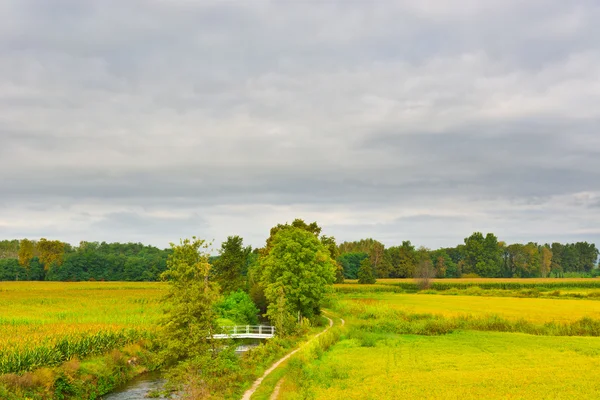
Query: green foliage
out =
(483, 255)
(350, 263)
(298, 223)
(231, 267)
(111, 262)
(380, 259)
(239, 308)
(403, 260)
(297, 272)
(365, 272)
(190, 316)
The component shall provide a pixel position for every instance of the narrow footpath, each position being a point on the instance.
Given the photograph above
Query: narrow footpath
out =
(257, 382)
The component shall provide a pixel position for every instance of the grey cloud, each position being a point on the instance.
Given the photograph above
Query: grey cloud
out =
(232, 116)
(135, 222)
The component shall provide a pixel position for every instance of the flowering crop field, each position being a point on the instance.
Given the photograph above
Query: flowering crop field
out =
(46, 323)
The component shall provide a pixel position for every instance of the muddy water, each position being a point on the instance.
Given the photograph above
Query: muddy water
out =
(139, 388)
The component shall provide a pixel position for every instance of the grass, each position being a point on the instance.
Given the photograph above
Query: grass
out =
(431, 346)
(43, 323)
(465, 365)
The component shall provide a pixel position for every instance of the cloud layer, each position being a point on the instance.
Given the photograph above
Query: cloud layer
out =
(154, 120)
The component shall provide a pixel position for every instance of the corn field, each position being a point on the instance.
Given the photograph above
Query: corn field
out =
(46, 323)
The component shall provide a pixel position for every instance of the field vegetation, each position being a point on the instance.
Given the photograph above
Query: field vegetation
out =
(413, 346)
(45, 324)
(427, 313)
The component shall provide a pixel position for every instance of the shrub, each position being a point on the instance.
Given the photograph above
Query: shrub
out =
(239, 308)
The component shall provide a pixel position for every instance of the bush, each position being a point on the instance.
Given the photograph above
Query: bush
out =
(239, 308)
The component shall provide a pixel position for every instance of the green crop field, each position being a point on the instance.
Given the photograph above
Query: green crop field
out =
(416, 346)
(46, 323)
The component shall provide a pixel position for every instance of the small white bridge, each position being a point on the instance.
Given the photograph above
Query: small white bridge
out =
(246, 332)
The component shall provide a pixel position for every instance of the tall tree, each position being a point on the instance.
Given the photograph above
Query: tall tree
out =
(26, 252)
(546, 261)
(190, 316)
(50, 252)
(230, 269)
(425, 271)
(297, 223)
(365, 272)
(297, 271)
(403, 260)
(483, 255)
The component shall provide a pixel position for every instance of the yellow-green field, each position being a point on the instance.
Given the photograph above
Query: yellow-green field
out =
(530, 309)
(466, 347)
(39, 320)
(540, 281)
(394, 345)
(464, 365)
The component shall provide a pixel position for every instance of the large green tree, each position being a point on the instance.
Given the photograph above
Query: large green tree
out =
(296, 274)
(189, 320)
(483, 255)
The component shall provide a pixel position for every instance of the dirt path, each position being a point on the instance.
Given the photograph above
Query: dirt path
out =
(257, 382)
(275, 393)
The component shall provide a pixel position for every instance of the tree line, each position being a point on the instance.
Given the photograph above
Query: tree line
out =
(53, 260)
(478, 256)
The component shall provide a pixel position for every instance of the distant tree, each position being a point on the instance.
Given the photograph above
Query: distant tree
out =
(297, 272)
(10, 270)
(9, 249)
(50, 252)
(443, 264)
(483, 255)
(26, 252)
(546, 261)
(350, 263)
(365, 272)
(380, 260)
(587, 254)
(425, 271)
(231, 268)
(403, 260)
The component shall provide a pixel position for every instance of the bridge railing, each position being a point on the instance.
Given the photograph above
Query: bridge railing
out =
(248, 330)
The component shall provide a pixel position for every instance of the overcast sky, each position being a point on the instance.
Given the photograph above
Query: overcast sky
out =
(424, 120)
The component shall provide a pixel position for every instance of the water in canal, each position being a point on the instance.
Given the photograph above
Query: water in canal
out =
(139, 388)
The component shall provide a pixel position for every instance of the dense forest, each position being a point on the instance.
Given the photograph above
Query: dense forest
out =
(479, 256)
(52, 260)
